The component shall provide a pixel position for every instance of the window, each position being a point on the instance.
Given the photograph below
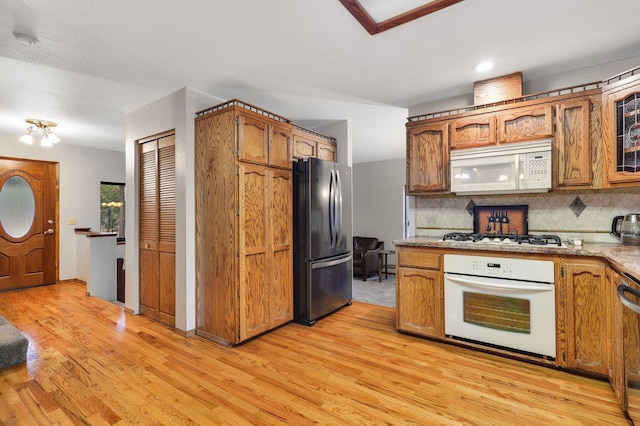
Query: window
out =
(112, 208)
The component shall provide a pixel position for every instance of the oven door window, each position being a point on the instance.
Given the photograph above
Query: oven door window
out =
(498, 312)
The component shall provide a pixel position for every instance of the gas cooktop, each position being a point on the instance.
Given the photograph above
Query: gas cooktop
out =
(538, 240)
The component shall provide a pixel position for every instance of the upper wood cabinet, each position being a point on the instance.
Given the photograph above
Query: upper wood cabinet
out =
(572, 117)
(326, 150)
(280, 146)
(471, 132)
(572, 145)
(309, 144)
(428, 158)
(262, 142)
(304, 144)
(253, 139)
(621, 131)
(527, 123)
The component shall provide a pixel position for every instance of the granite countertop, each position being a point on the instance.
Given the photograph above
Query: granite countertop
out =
(625, 259)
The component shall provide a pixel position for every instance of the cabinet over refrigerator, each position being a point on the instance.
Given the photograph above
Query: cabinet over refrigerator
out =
(322, 239)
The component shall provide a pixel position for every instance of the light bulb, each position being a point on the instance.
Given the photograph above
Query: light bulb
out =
(27, 138)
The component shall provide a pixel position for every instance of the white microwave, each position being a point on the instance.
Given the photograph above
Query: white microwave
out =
(509, 168)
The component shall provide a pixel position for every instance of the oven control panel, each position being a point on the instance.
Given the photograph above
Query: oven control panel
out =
(481, 267)
(500, 267)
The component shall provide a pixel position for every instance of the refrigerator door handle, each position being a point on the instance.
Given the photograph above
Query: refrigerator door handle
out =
(339, 207)
(332, 207)
(331, 262)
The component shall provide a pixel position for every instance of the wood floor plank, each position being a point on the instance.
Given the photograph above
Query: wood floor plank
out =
(89, 362)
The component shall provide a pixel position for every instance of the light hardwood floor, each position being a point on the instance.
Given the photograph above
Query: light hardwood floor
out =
(91, 363)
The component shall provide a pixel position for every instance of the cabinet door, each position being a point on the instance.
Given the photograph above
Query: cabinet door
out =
(303, 146)
(253, 140)
(428, 158)
(616, 369)
(280, 147)
(420, 301)
(528, 123)
(326, 151)
(587, 319)
(573, 143)
(281, 295)
(621, 132)
(475, 131)
(254, 182)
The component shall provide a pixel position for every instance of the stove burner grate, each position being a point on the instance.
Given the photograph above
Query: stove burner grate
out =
(539, 240)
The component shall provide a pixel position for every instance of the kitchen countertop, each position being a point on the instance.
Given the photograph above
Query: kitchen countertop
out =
(624, 258)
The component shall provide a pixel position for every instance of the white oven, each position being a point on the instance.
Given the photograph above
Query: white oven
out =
(503, 302)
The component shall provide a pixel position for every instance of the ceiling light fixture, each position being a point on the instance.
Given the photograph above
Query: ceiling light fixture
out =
(485, 66)
(23, 38)
(47, 139)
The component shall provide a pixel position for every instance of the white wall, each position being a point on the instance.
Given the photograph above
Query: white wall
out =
(80, 172)
(342, 133)
(378, 200)
(174, 111)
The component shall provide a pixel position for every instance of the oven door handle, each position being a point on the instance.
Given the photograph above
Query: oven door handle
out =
(622, 289)
(528, 287)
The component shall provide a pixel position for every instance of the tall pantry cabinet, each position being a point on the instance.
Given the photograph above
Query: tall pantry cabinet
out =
(244, 237)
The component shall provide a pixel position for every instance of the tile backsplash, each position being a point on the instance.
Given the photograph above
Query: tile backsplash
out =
(586, 214)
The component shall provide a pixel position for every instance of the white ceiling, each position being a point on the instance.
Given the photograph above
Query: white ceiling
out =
(309, 61)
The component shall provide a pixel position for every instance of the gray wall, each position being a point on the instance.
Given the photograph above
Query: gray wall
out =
(378, 200)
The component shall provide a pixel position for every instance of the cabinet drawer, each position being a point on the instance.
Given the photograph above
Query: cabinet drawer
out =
(418, 258)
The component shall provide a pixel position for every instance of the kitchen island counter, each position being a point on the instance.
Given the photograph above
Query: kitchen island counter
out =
(624, 258)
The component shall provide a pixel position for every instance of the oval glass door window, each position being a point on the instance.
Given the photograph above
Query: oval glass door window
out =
(17, 206)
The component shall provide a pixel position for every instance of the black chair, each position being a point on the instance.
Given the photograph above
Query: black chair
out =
(365, 256)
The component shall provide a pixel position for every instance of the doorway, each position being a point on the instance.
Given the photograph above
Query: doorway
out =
(28, 223)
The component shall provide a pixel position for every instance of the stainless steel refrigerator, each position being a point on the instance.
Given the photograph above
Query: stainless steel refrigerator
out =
(322, 241)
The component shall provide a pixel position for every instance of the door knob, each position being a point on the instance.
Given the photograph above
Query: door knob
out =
(48, 231)
(50, 221)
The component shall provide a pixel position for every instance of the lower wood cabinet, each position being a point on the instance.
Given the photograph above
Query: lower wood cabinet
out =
(584, 316)
(584, 291)
(616, 370)
(419, 293)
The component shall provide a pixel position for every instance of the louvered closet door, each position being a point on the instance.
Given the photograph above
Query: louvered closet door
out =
(157, 228)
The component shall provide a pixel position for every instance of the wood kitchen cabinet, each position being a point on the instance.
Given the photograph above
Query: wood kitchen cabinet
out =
(309, 144)
(419, 292)
(616, 352)
(244, 282)
(428, 158)
(526, 123)
(583, 316)
(572, 117)
(472, 132)
(263, 142)
(621, 131)
(572, 145)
